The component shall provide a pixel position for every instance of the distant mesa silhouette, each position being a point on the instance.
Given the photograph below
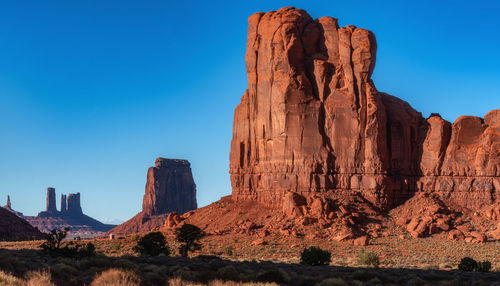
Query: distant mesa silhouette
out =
(70, 215)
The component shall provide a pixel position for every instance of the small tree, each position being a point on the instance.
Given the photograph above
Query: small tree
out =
(189, 236)
(152, 244)
(315, 256)
(53, 240)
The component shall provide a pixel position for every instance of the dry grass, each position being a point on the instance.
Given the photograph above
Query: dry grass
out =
(33, 278)
(39, 278)
(7, 280)
(116, 277)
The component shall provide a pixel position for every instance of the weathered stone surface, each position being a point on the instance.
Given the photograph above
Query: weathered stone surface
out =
(312, 123)
(170, 191)
(169, 188)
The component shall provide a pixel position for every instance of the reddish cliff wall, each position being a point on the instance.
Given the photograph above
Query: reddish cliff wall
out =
(312, 122)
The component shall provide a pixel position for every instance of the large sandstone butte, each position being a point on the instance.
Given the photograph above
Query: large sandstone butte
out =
(312, 123)
(169, 188)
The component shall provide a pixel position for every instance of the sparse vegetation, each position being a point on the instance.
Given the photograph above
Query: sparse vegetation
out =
(54, 245)
(368, 258)
(469, 264)
(315, 256)
(152, 244)
(19, 258)
(116, 277)
(53, 240)
(189, 236)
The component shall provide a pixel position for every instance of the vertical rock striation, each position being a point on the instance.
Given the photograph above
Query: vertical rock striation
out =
(51, 200)
(312, 122)
(169, 188)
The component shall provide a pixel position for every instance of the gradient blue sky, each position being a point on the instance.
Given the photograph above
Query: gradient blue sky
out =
(91, 92)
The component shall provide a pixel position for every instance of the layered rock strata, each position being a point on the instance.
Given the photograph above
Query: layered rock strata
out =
(313, 123)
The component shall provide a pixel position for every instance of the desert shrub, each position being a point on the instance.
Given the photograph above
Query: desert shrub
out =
(228, 250)
(53, 240)
(189, 236)
(467, 264)
(8, 280)
(368, 258)
(315, 256)
(38, 278)
(54, 245)
(116, 277)
(484, 266)
(152, 244)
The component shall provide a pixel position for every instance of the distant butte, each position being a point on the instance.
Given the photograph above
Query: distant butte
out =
(70, 215)
(169, 188)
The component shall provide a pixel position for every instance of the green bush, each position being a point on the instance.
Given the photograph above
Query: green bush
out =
(152, 244)
(189, 236)
(469, 264)
(315, 256)
(368, 258)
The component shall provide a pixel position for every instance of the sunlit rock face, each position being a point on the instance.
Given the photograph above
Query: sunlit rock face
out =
(169, 188)
(312, 122)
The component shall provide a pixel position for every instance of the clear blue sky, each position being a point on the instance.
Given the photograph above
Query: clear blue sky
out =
(91, 92)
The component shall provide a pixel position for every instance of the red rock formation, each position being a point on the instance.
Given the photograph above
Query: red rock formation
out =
(170, 188)
(14, 228)
(312, 122)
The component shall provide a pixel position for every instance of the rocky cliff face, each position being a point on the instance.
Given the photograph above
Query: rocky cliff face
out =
(312, 122)
(169, 188)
